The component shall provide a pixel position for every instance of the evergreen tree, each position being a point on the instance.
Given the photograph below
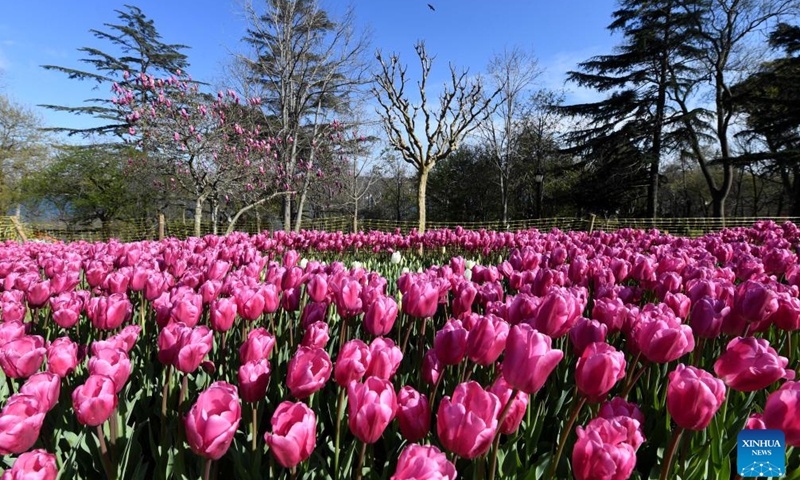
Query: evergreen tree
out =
(657, 42)
(137, 50)
(770, 99)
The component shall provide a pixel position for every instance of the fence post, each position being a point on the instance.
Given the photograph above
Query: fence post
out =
(18, 228)
(161, 226)
(592, 217)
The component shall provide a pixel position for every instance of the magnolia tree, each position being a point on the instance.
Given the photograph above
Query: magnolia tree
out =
(203, 145)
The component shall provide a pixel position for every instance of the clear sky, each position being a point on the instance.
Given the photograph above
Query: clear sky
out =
(464, 32)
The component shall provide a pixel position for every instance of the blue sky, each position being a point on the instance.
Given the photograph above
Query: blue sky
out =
(464, 32)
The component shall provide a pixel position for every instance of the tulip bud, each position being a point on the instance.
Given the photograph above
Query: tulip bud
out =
(213, 420)
(693, 397)
(371, 406)
(294, 433)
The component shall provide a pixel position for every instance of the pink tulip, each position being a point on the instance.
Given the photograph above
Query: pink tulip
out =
(38, 294)
(22, 357)
(385, 358)
(708, 315)
(413, 414)
(20, 422)
(431, 367)
(619, 407)
(599, 368)
(253, 380)
(250, 302)
(317, 288)
(427, 462)
(62, 356)
(464, 297)
(34, 465)
(751, 364)
(693, 397)
(213, 420)
(45, 387)
(787, 317)
(595, 459)
(618, 429)
(610, 312)
(259, 345)
(348, 297)
(312, 313)
(450, 343)
(557, 313)
(529, 358)
(780, 412)
(352, 362)
(294, 433)
(380, 316)
(316, 335)
(585, 332)
(11, 330)
(187, 307)
(754, 302)
(755, 422)
(662, 338)
(169, 342)
(421, 300)
(371, 407)
(113, 363)
(519, 405)
(195, 344)
(222, 314)
(108, 313)
(486, 339)
(308, 371)
(467, 422)
(95, 400)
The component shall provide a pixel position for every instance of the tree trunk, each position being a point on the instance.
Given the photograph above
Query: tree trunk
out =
(421, 193)
(287, 213)
(718, 204)
(214, 217)
(355, 215)
(301, 205)
(504, 198)
(198, 215)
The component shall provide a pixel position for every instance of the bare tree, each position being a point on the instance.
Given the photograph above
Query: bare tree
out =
(725, 29)
(307, 67)
(463, 105)
(512, 72)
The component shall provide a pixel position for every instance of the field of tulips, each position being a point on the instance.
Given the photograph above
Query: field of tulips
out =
(453, 354)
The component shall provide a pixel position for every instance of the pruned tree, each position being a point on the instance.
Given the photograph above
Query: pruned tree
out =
(136, 52)
(725, 30)
(422, 133)
(513, 72)
(307, 67)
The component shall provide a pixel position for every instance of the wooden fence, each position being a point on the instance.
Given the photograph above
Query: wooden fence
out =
(151, 229)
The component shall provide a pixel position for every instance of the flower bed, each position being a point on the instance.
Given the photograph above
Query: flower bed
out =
(321, 355)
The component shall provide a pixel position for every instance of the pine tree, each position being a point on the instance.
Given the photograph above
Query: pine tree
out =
(658, 40)
(137, 50)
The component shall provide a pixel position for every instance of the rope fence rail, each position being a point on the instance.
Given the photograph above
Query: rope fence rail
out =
(130, 230)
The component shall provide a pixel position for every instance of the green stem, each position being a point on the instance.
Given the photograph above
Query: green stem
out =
(184, 388)
(495, 448)
(207, 473)
(565, 434)
(339, 415)
(632, 381)
(361, 460)
(104, 455)
(254, 427)
(673, 443)
(164, 397)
